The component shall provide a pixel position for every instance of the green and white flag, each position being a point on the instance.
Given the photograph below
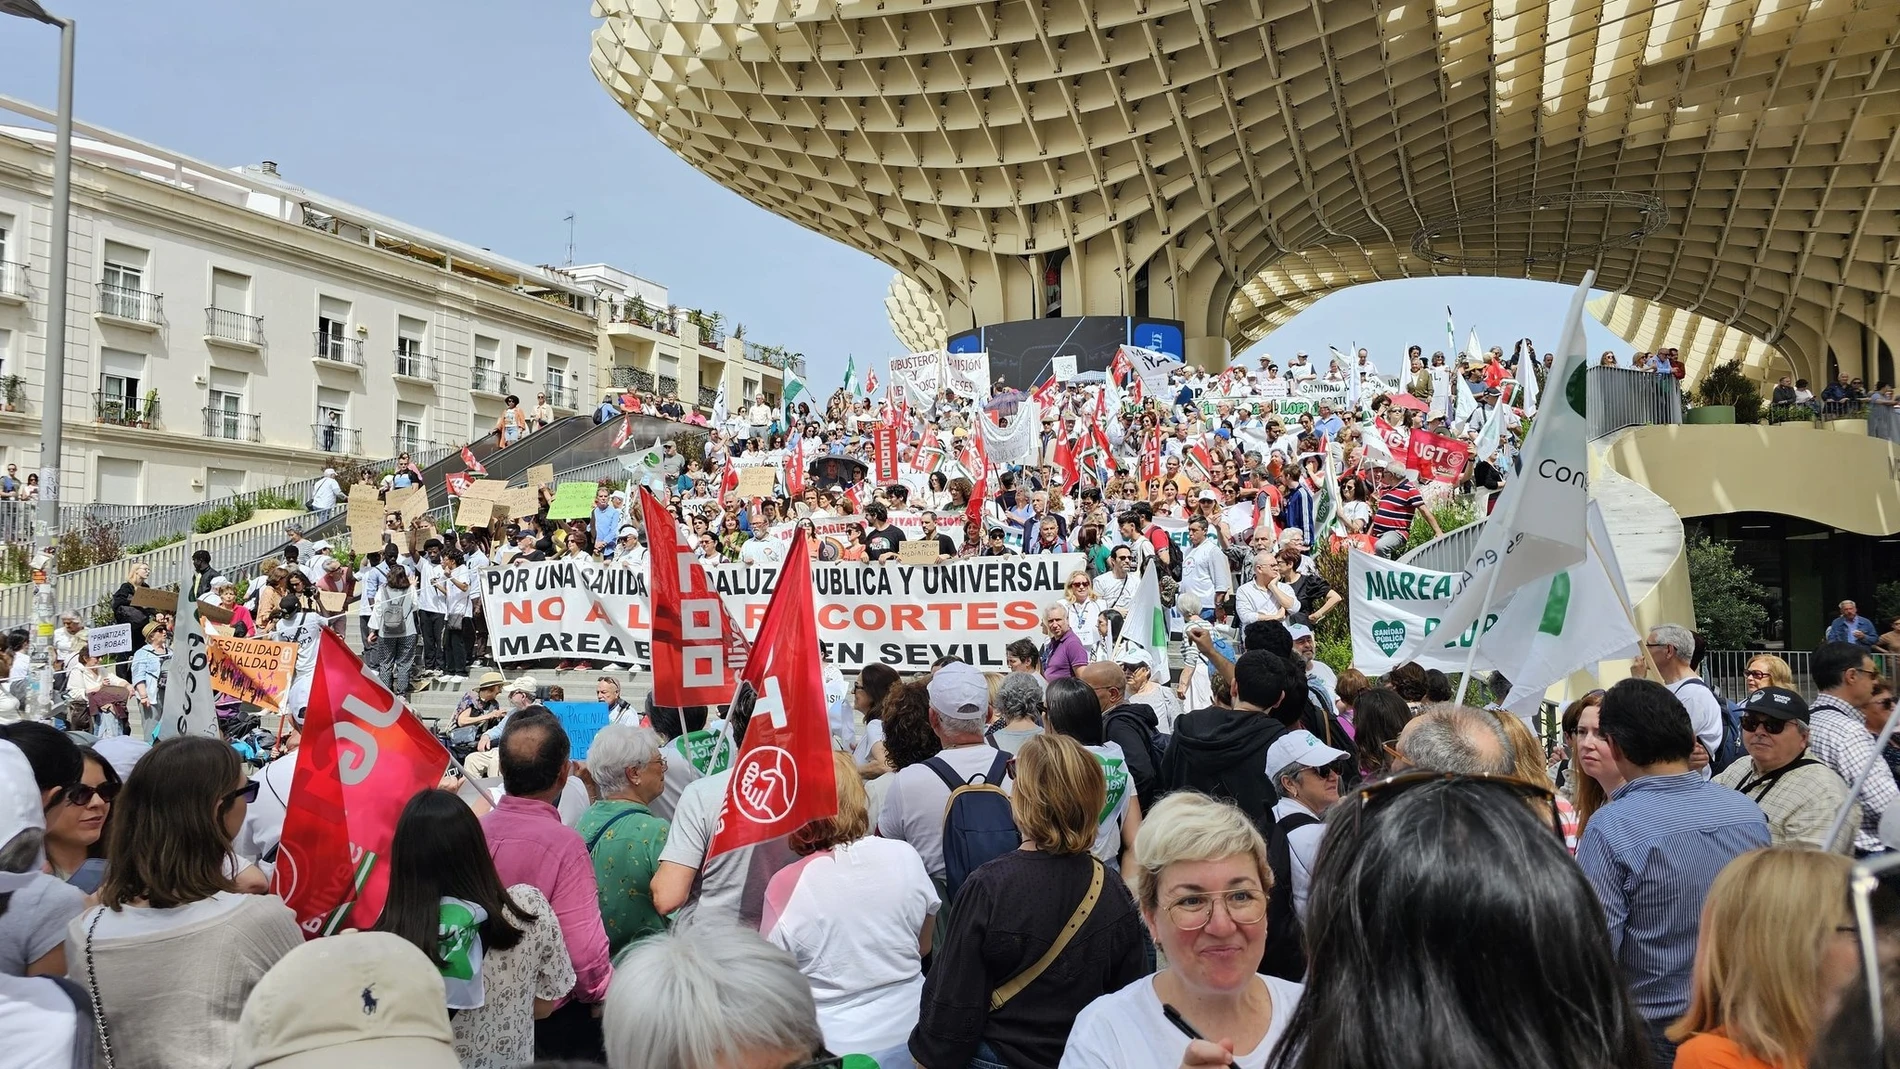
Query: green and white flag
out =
(1563, 623)
(1146, 624)
(794, 388)
(1326, 509)
(851, 376)
(1451, 336)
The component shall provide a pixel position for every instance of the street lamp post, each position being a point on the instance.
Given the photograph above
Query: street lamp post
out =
(53, 389)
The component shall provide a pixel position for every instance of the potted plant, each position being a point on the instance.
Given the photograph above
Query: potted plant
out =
(12, 393)
(149, 417)
(1726, 395)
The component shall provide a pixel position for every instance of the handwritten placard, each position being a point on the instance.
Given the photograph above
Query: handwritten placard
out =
(477, 502)
(366, 519)
(572, 501)
(521, 501)
(151, 597)
(333, 601)
(540, 475)
(252, 670)
(911, 552)
(410, 503)
(583, 721)
(757, 482)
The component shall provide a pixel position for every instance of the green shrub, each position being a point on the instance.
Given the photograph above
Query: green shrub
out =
(271, 499)
(223, 516)
(156, 543)
(1729, 603)
(1728, 384)
(1451, 513)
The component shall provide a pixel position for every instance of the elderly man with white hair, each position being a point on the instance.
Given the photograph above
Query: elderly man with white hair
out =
(913, 810)
(710, 997)
(1672, 647)
(623, 836)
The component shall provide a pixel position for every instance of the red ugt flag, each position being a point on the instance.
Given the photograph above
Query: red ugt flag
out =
(783, 776)
(364, 755)
(693, 639)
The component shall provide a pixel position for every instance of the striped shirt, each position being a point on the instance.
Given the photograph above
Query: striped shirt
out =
(1396, 508)
(1838, 738)
(1650, 855)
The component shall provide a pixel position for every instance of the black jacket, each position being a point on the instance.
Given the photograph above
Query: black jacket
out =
(1223, 752)
(1131, 725)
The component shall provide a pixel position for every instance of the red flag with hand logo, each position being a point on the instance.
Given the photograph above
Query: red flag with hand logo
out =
(696, 645)
(468, 461)
(782, 778)
(364, 755)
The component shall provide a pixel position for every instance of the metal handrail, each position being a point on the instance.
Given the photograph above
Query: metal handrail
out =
(227, 325)
(233, 426)
(339, 350)
(117, 409)
(137, 306)
(1619, 397)
(416, 366)
(12, 279)
(559, 396)
(487, 379)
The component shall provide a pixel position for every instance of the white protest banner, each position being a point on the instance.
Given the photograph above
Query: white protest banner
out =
(906, 616)
(106, 641)
(188, 708)
(1063, 368)
(912, 524)
(1392, 605)
(966, 375)
(1153, 367)
(924, 370)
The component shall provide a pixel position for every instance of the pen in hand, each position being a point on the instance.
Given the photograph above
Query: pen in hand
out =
(1174, 1018)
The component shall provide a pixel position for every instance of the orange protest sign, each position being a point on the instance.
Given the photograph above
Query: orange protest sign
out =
(253, 670)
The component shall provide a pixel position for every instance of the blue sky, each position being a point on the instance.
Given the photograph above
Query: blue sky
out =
(482, 121)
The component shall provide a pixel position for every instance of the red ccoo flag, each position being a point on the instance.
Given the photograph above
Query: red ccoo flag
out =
(363, 756)
(625, 433)
(696, 645)
(468, 461)
(782, 778)
(1066, 464)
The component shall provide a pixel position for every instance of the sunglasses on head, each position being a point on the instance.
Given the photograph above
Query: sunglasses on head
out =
(1371, 794)
(1758, 722)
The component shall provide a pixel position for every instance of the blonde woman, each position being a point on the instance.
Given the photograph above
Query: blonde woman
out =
(137, 577)
(1776, 938)
(856, 914)
(1768, 670)
(1527, 755)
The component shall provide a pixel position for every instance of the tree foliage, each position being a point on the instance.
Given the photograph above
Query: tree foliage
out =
(1729, 603)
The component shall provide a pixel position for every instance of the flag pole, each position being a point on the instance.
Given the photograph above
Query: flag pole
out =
(1629, 611)
(1471, 654)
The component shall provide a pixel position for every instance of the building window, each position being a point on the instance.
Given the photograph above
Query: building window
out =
(557, 386)
(524, 363)
(122, 291)
(224, 407)
(333, 324)
(486, 374)
(409, 428)
(230, 291)
(6, 236)
(411, 350)
(120, 377)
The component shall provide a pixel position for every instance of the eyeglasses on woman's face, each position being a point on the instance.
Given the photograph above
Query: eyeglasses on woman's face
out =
(1755, 673)
(248, 792)
(1193, 912)
(80, 795)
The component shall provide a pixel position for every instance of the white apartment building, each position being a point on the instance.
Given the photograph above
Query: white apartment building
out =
(228, 330)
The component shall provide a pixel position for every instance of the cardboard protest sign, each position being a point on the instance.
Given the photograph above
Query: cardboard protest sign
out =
(572, 501)
(106, 641)
(757, 482)
(333, 601)
(909, 552)
(521, 501)
(1063, 367)
(967, 374)
(903, 615)
(365, 519)
(408, 504)
(477, 502)
(152, 597)
(252, 670)
(541, 475)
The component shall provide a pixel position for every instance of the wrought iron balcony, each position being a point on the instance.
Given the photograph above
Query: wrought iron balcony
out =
(669, 387)
(12, 281)
(130, 305)
(332, 438)
(117, 409)
(707, 396)
(559, 396)
(339, 350)
(487, 379)
(415, 366)
(417, 448)
(224, 325)
(232, 425)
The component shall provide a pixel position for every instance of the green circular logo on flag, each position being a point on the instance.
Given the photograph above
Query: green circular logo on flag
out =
(1574, 391)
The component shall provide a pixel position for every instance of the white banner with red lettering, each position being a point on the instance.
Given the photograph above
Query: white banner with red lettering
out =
(906, 616)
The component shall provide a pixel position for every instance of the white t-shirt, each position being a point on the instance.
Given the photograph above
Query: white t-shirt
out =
(1255, 602)
(37, 1023)
(1117, 594)
(730, 887)
(1203, 571)
(136, 922)
(913, 810)
(851, 917)
(759, 552)
(1705, 713)
(263, 824)
(1126, 1030)
(1108, 827)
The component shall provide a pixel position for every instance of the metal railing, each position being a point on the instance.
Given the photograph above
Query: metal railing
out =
(631, 378)
(422, 451)
(1619, 397)
(1724, 668)
(339, 350)
(232, 425)
(226, 325)
(669, 387)
(135, 306)
(333, 438)
(118, 409)
(87, 589)
(1883, 422)
(559, 396)
(487, 379)
(707, 396)
(415, 366)
(1449, 552)
(12, 279)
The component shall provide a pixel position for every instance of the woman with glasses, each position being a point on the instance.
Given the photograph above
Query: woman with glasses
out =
(622, 835)
(1141, 688)
(1080, 602)
(76, 824)
(511, 424)
(1410, 858)
(169, 912)
(1035, 935)
(856, 914)
(33, 925)
(499, 950)
(1201, 878)
(1767, 670)
(1776, 938)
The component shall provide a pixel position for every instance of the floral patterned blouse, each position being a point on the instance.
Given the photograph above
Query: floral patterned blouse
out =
(500, 1035)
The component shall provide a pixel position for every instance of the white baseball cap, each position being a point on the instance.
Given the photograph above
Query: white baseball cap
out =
(347, 1001)
(959, 692)
(1300, 748)
(20, 811)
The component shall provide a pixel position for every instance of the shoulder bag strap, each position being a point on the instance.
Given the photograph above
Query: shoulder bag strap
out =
(92, 992)
(1767, 782)
(1080, 917)
(945, 773)
(617, 818)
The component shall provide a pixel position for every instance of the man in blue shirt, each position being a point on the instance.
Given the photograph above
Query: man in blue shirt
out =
(1652, 852)
(607, 520)
(1851, 626)
(1328, 425)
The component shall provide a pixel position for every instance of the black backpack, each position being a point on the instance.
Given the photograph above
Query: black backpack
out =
(1285, 954)
(1732, 749)
(977, 824)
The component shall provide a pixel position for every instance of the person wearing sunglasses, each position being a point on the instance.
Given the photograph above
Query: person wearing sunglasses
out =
(76, 822)
(1767, 670)
(1797, 794)
(1845, 675)
(33, 928)
(1874, 714)
(1307, 773)
(1202, 880)
(168, 911)
(1653, 851)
